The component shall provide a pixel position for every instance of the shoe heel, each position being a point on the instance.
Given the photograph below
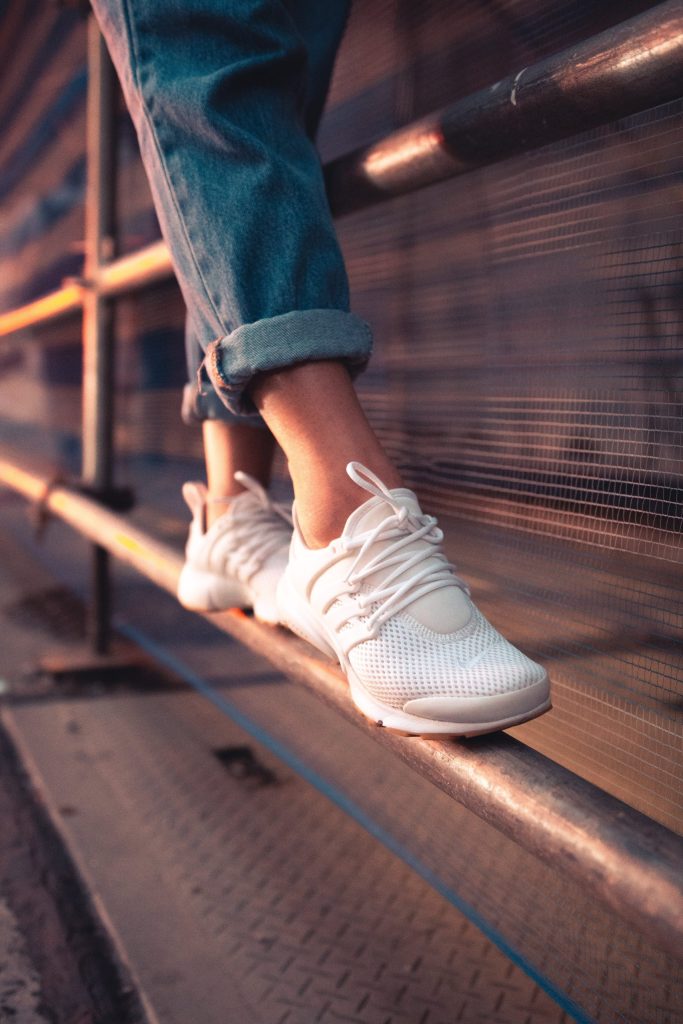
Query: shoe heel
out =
(200, 591)
(295, 616)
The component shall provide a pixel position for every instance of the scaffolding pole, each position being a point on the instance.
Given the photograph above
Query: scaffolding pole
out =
(98, 342)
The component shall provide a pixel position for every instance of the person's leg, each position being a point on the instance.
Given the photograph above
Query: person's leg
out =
(225, 96)
(217, 90)
(314, 413)
(231, 442)
(219, 93)
(230, 448)
(238, 538)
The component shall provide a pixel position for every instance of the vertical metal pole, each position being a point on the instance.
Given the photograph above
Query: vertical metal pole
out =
(98, 384)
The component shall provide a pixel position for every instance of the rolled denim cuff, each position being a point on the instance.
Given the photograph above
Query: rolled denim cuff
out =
(199, 405)
(301, 336)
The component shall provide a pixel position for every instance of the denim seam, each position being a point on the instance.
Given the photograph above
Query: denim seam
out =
(135, 69)
(236, 381)
(212, 356)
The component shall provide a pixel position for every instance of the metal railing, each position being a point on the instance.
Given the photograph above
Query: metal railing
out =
(629, 862)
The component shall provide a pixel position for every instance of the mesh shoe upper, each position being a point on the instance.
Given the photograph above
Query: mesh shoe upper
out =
(406, 660)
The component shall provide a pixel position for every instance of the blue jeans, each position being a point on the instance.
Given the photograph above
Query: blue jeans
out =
(226, 96)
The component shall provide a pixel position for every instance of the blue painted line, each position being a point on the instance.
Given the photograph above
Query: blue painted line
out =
(350, 807)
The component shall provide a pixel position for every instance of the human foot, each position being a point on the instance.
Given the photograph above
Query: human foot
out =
(382, 598)
(238, 560)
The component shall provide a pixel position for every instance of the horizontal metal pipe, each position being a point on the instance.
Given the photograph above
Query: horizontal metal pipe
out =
(142, 268)
(622, 71)
(127, 274)
(628, 861)
(68, 299)
(629, 68)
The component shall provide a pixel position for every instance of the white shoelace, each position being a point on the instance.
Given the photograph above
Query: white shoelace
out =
(403, 528)
(257, 526)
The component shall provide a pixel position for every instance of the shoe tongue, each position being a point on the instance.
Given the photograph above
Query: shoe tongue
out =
(375, 510)
(444, 610)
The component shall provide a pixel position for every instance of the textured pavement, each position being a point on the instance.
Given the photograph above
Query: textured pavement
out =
(236, 893)
(20, 995)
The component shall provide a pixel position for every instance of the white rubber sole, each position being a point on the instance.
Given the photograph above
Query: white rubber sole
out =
(531, 702)
(467, 717)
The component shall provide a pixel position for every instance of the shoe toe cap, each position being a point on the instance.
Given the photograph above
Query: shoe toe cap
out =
(483, 709)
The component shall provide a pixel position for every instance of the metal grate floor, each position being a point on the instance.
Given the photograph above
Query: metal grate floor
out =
(239, 893)
(235, 892)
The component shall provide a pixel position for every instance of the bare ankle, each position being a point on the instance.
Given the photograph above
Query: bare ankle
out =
(216, 506)
(320, 526)
(325, 503)
(314, 413)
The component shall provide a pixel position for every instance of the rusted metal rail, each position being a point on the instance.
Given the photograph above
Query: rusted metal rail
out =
(629, 68)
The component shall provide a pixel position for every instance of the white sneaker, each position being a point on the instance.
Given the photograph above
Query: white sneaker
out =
(239, 560)
(382, 598)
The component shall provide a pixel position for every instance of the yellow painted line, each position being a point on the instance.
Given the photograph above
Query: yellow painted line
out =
(145, 555)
